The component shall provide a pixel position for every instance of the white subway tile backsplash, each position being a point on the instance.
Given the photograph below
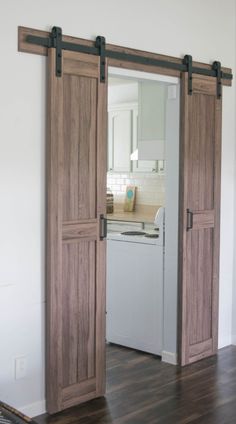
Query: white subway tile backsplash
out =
(150, 187)
(115, 187)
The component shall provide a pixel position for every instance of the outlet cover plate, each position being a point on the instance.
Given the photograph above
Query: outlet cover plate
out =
(20, 367)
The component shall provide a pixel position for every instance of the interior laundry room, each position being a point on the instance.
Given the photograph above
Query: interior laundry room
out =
(142, 211)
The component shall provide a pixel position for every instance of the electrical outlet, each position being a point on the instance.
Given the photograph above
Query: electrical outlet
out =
(20, 367)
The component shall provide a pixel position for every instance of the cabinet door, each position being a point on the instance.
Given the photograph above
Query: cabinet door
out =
(151, 131)
(119, 140)
(140, 165)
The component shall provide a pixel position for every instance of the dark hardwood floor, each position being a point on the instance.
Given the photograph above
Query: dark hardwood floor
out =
(141, 389)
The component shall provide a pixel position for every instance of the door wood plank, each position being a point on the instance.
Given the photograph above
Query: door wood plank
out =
(74, 232)
(200, 194)
(204, 219)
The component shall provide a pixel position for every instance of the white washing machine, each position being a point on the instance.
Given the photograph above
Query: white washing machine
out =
(135, 287)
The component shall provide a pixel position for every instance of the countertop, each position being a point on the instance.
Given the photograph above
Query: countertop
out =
(142, 213)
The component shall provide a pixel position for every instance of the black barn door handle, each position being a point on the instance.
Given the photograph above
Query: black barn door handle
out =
(189, 219)
(103, 227)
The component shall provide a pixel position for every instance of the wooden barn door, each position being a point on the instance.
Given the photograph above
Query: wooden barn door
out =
(200, 169)
(76, 187)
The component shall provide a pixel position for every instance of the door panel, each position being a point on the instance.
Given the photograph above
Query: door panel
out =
(199, 219)
(76, 191)
(200, 293)
(201, 153)
(79, 188)
(78, 315)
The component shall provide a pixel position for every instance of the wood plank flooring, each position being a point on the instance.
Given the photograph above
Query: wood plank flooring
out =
(143, 390)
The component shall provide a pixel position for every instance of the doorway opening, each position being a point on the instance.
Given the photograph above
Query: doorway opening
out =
(142, 213)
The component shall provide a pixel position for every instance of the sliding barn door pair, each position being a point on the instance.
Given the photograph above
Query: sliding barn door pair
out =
(76, 256)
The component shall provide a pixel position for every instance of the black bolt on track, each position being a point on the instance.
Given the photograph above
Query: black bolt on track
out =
(188, 61)
(101, 45)
(217, 67)
(56, 37)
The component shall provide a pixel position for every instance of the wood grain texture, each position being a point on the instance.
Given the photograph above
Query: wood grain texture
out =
(199, 247)
(204, 84)
(23, 46)
(101, 169)
(76, 258)
(86, 391)
(54, 247)
(72, 232)
(80, 64)
(204, 219)
(143, 390)
(181, 310)
(78, 314)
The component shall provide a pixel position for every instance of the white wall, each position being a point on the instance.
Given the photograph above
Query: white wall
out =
(168, 27)
(234, 252)
(227, 220)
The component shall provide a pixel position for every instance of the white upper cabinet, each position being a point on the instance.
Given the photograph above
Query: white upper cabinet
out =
(140, 165)
(123, 140)
(151, 123)
(119, 138)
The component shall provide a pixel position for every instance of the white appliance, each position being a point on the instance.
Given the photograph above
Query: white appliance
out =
(135, 286)
(159, 220)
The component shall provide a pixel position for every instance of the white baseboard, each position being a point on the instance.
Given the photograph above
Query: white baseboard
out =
(169, 357)
(34, 409)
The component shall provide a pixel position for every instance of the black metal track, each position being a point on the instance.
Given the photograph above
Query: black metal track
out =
(182, 67)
